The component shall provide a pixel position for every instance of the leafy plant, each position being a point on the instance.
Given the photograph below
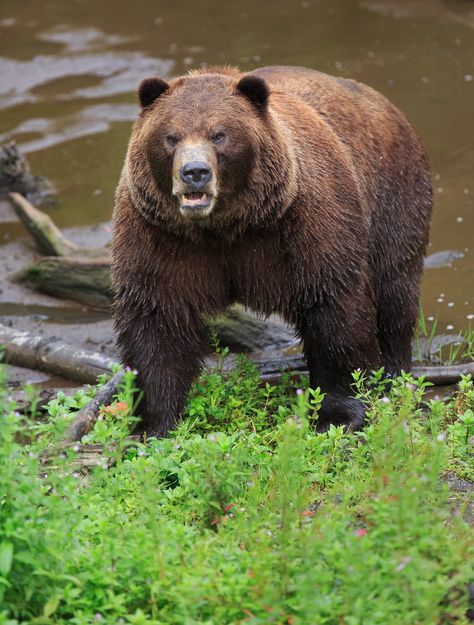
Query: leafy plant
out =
(245, 514)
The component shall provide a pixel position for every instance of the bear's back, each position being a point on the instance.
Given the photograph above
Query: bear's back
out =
(330, 96)
(363, 119)
(388, 158)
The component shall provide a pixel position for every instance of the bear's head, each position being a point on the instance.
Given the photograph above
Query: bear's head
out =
(207, 151)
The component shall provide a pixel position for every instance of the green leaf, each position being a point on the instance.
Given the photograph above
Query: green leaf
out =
(6, 557)
(51, 606)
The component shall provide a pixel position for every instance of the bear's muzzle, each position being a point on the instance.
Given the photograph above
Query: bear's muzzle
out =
(194, 179)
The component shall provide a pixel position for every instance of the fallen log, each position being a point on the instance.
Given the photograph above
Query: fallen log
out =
(270, 372)
(85, 458)
(53, 355)
(85, 280)
(442, 375)
(67, 271)
(48, 238)
(86, 417)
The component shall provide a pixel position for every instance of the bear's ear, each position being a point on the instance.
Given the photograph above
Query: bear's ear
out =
(255, 89)
(150, 89)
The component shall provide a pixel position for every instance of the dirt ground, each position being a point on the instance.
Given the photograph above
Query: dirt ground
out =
(25, 309)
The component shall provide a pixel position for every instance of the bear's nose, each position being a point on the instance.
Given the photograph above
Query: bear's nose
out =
(196, 174)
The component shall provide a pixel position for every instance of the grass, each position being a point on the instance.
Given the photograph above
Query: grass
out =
(245, 515)
(461, 349)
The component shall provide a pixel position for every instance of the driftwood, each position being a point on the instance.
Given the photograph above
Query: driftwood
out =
(15, 175)
(67, 271)
(53, 355)
(443, 375)
(85, 280)
(48, 238)
(85, 418)
(56, 356)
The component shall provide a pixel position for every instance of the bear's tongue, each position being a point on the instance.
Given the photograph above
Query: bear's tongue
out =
(194, 199)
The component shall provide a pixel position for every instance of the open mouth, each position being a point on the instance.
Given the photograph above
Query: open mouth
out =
(195, 200)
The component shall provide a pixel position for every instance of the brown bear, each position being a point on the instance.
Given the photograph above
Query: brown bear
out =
(285, 190)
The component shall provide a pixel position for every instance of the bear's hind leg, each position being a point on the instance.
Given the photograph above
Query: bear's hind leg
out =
(340, 337)
(397, 302)
(399, 235)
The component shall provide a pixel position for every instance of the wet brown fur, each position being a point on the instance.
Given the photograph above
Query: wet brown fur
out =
(322, 215)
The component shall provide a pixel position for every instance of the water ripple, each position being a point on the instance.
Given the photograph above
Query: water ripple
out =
(120, 73)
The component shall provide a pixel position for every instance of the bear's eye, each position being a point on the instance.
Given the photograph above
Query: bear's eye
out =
(218, 137)
(172, 140)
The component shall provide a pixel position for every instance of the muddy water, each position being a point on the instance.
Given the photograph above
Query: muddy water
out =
(68, 71)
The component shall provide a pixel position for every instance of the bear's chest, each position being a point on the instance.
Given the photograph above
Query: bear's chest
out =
(258, 274)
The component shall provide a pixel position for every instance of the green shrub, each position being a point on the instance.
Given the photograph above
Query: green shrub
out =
(244, 515)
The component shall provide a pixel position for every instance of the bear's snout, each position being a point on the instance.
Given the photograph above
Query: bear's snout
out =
(196, 174)
(194, 179)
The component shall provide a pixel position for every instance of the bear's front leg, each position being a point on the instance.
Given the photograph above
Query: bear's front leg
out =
(339, 337)
(167, 354)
